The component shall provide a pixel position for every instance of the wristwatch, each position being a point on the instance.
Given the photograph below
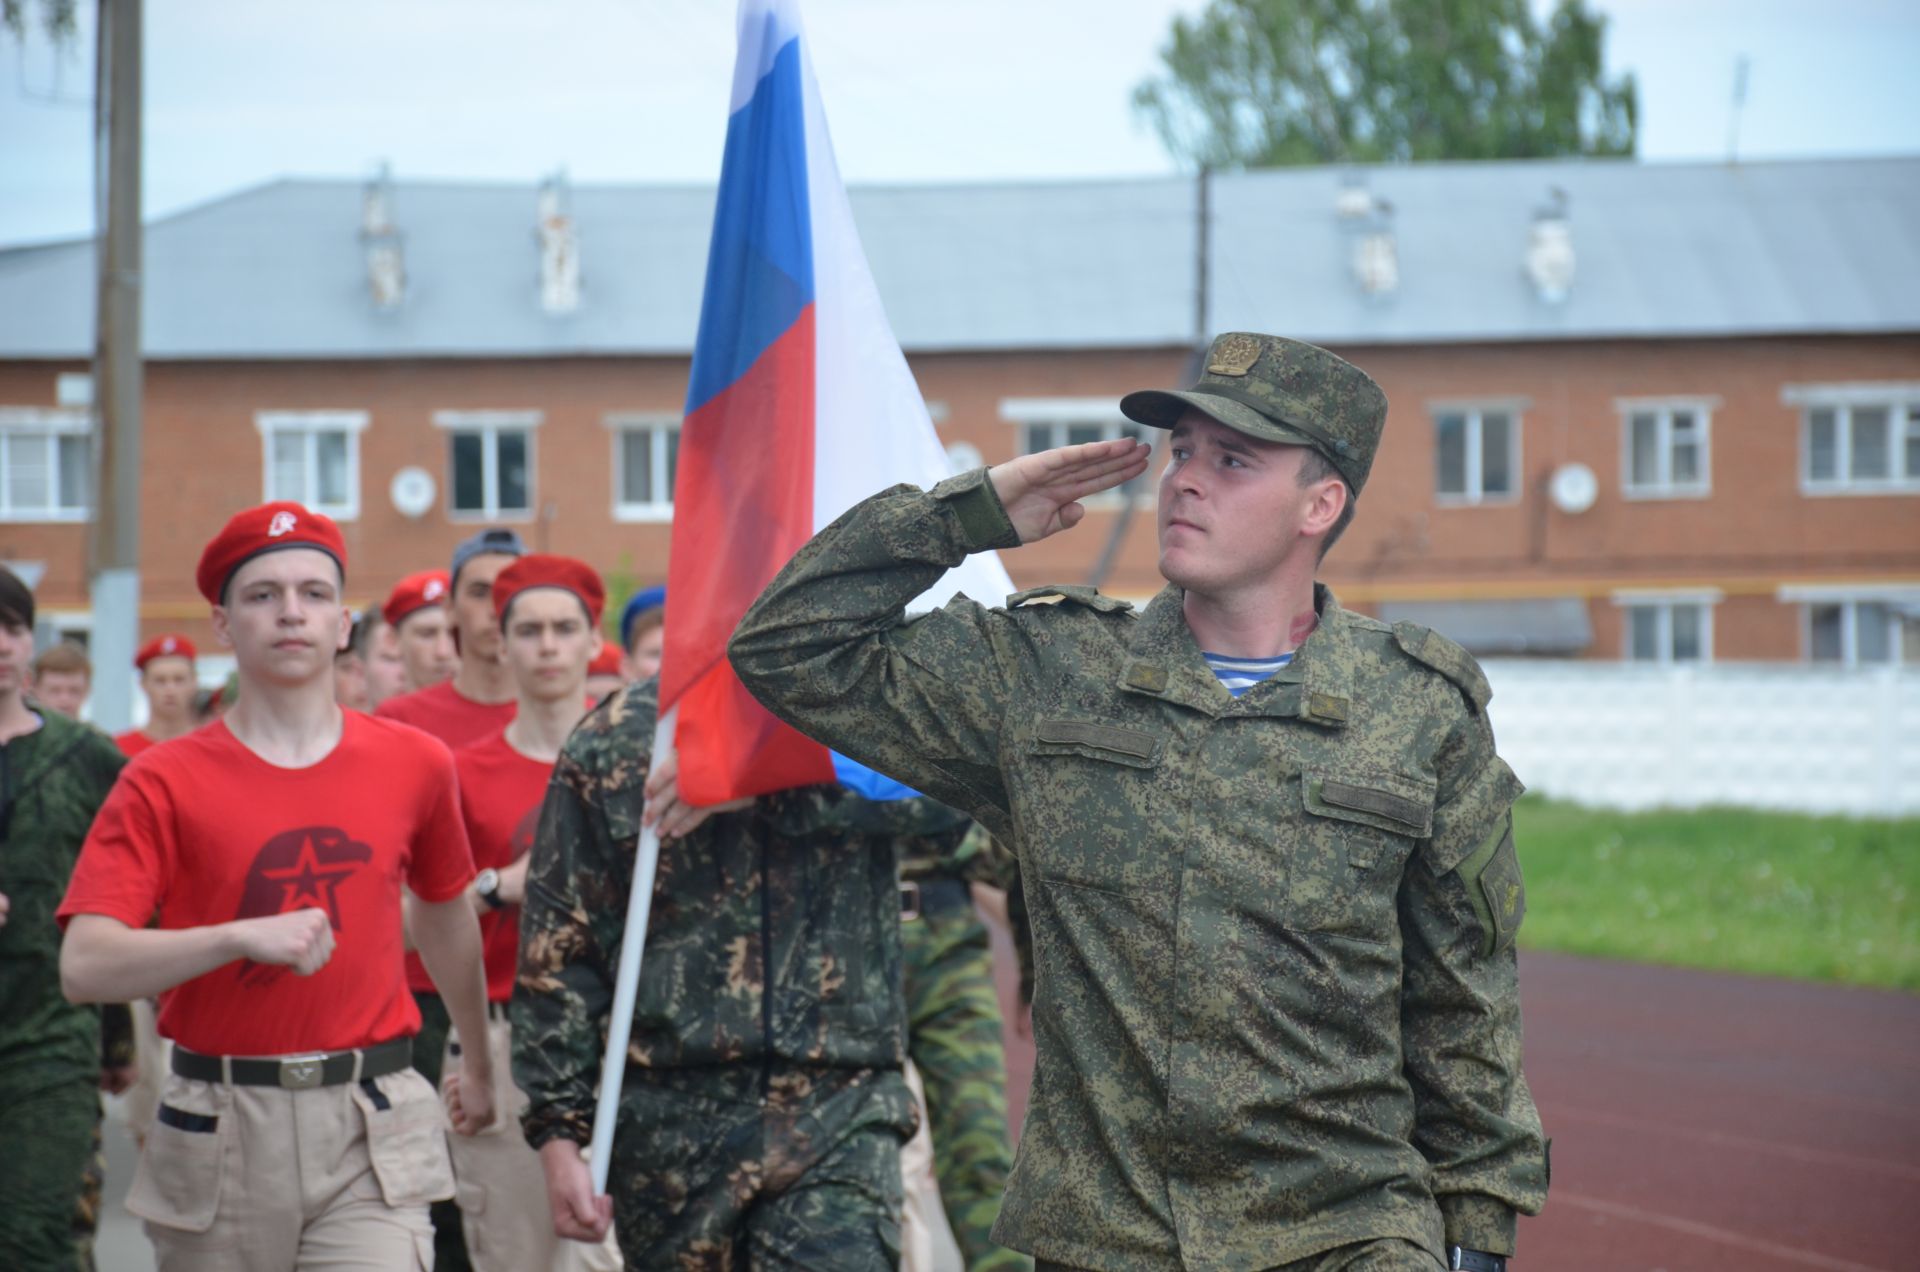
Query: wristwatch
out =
(1475, 1260)
(486, 885)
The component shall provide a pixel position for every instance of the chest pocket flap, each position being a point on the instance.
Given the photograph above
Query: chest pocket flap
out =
(1401, 805)
(1093, 740)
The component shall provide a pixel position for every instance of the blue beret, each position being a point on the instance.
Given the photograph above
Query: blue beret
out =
(639, 603)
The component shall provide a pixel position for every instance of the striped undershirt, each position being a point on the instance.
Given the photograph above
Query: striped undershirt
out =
(1242, 674)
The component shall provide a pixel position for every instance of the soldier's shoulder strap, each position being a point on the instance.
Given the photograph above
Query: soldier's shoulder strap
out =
(1424, 645)
(1074, 593)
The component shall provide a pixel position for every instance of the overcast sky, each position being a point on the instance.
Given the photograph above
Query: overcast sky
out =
(916, 90)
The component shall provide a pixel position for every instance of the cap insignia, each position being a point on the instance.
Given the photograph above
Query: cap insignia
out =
(282, 523)
(1234, 355)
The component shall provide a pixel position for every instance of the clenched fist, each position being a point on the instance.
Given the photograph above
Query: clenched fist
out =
(300, 939)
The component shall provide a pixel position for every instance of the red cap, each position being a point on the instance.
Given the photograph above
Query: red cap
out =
(415, 592)
(268, 528)
(539, 569)
(164, 647)
(606, 662)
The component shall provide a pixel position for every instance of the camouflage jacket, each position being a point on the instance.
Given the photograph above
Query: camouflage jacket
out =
(774, 938)
(52, 781)
(1277, 1007)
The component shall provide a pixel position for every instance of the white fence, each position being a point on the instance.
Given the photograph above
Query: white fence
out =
(1621, 735)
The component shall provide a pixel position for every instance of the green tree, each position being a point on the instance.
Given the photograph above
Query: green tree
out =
(1256, 83)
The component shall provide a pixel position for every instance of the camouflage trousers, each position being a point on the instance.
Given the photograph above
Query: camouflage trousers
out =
(708, 1176)
(1388, 1255)
(954, 1038)
(46, 1139)
(93, 1186)
(429, 1051)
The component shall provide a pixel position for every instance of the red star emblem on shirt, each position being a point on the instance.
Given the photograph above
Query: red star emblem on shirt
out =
(309, 881)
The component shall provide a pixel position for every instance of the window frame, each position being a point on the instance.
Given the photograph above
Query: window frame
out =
(271, 424)
(52, 424)
(1664, 602)
(1902, 404)
(659, 424)
(1476, 410)
(1901, 601)
(1063, 413)
(1663, 408)
(489, 425)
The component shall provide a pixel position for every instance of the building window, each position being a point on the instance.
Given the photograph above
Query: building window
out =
(1045, 423)
(646, 459)
(46, 464)
(1666, 449)
(1859, 439)
(1862, 632)
(313, 458)
(490, 463)
(1476, 454)
(1667, 628)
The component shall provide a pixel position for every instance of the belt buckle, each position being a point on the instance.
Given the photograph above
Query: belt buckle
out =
(909, 900)
(302, 1073)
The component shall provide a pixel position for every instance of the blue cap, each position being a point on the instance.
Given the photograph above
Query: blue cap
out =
(494, 539)
(640, 602)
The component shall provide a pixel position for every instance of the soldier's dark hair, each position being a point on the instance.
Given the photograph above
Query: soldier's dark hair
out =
(16, 600)
(1317, 467)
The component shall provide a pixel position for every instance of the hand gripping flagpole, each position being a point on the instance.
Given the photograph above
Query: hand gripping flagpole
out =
(626, 985)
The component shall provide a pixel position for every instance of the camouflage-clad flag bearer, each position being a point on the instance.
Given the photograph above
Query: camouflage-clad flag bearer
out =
(763, 1107)
(251, 872)
(1265, 842)
(549, 609)
(54, 775)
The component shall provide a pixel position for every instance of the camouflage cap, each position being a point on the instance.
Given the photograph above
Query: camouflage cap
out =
(1280, 390)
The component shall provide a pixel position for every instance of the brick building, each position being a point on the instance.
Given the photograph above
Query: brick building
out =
(1668, 412)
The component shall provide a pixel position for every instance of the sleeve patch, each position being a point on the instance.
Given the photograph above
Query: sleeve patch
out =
(1496, 890)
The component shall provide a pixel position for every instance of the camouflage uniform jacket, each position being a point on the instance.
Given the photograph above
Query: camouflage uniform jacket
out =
(773, 942)
(1277, 1008)
(52, 781)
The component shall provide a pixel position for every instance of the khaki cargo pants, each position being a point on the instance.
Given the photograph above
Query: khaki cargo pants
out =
(261, 1179)
(502, 1188)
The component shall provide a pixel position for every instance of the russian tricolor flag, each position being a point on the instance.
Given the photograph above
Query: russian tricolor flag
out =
(800, 405)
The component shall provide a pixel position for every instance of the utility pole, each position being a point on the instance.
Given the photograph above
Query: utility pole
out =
(113, 545)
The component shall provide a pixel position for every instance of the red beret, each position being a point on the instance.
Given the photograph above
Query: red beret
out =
(164, 647)
(268, 528)
(606, 662)
(539, 569)
(415, 592)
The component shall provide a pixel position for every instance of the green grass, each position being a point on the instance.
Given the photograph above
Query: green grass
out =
(1816, 898)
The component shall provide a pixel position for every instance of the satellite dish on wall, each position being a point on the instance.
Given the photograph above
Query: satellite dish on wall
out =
(1573, 488)
(412, 492)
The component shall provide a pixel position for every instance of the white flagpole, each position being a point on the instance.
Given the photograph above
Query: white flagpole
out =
(626, 985)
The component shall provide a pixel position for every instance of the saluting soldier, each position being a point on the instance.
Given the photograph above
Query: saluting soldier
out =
(1265, 842)
(251, 873)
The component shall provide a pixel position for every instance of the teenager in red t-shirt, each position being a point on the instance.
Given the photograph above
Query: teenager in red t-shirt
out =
(165, 664)
(549, 611)
(268, 851)
(478, 701)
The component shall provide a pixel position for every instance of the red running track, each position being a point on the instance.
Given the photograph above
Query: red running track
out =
(1704, 1122)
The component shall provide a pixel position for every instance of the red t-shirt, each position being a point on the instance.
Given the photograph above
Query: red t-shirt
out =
(449, 715)
(132, 742)
(204, 831)
(501, 792)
